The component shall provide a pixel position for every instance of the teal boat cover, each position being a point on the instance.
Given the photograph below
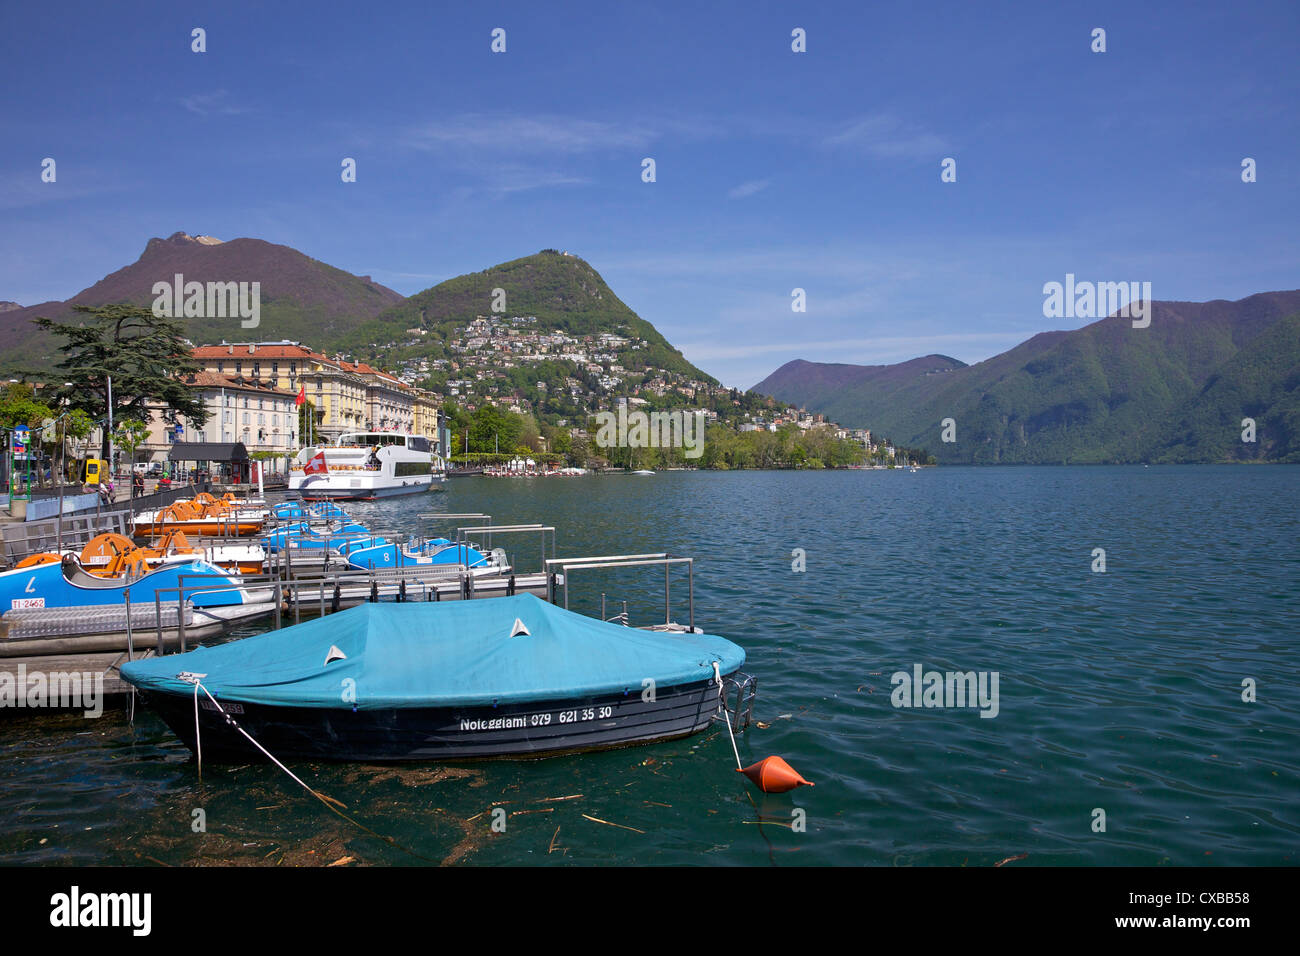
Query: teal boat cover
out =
(436, 654)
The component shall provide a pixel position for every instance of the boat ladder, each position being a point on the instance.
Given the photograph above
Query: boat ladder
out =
(737, 699)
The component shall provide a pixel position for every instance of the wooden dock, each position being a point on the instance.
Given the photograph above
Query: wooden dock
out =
(21, 669)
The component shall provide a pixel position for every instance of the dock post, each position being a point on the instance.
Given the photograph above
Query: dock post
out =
(180, 613)
(279, 600)
(130, 644)
(690, 570)
(668, 614)
(297, 603)
(510, 587)
(334, 601)
(157, 619)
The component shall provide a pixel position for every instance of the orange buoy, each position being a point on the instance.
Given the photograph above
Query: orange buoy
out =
(774, 775)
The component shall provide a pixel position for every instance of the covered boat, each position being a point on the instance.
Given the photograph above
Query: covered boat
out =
(511, 676)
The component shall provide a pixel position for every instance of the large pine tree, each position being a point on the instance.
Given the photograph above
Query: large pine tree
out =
(145, 355)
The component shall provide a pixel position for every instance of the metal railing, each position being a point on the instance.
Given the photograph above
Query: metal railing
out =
(569, 565)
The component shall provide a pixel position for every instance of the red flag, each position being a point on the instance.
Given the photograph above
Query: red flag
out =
(316, 466)
(301, 396)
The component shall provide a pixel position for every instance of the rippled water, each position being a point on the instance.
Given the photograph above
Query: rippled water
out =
(1119, 691)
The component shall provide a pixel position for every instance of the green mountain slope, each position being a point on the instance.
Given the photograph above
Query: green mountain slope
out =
(563, 291)
(1104, 393)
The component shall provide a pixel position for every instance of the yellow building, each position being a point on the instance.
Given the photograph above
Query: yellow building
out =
(346, 396)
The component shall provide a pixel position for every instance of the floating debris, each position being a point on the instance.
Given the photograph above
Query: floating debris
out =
(608, 824)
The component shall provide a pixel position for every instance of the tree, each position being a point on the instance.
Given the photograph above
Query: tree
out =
(492, 429)
(130, 435)
(306, 420)
(18, 406)
(144, 355)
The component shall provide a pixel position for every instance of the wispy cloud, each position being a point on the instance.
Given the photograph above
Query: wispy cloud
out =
(885, 136)
(745, 190)
(207, 104)
(509, 178)
(526, 134)
(907, 346)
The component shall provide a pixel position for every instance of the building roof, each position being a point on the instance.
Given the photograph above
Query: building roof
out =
(274, 350)
(236, 383)
(207, 451)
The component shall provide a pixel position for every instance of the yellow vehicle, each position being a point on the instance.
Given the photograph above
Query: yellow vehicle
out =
(91, 470)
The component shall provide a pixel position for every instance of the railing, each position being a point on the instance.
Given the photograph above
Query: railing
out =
(568, 565)
(25, 538)
(463, 534)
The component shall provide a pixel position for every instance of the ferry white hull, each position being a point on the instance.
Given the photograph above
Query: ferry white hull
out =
(341, 488)
(364, 466)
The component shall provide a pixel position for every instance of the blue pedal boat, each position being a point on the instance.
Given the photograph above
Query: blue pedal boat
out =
(506, 677)
(438, 551)
(67, 584)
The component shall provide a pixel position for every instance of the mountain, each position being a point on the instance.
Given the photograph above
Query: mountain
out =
(562, 291)
(856, 394)
(1176, 391)
(301, 298)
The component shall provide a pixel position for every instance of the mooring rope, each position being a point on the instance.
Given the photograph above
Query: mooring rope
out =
(319, 796)
(722, 702)
(198, 738)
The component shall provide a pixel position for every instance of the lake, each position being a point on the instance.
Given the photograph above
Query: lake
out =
(1119, 733)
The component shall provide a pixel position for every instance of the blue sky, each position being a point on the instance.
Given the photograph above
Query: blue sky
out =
(775, 170)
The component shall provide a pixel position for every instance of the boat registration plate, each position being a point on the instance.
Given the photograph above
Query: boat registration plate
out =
(17, 603)
(230, 707)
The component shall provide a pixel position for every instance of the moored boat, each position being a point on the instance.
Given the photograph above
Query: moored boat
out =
(509, 677)
(65, 583)
(440, 551)
(364, 465)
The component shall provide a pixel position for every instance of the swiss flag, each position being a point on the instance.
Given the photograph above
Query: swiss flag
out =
(316, 466)
(301, 396)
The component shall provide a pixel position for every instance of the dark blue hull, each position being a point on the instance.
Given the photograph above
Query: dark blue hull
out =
(536, 729)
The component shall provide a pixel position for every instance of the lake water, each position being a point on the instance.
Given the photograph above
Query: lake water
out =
(1118, 691)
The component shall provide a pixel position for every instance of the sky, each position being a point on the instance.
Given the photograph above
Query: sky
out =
(775, 170)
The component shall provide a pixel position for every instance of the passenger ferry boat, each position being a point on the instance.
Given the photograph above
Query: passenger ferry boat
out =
(365, 465)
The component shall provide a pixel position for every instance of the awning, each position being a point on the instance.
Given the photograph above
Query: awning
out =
(208, 451)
